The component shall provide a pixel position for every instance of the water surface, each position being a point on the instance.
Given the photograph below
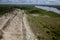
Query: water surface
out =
(49, 9)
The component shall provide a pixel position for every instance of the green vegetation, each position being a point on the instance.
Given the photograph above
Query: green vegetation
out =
(34, 10)
(4, 8)
(44, 24)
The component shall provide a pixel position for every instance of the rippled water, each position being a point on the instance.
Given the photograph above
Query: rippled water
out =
(49, 9)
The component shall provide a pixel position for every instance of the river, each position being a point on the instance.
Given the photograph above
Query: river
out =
(49, 9)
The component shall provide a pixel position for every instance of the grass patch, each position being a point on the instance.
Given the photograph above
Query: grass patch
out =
(4, 10)
(46, 25)
(43, 26)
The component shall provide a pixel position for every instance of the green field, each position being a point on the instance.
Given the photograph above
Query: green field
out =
(44, 24)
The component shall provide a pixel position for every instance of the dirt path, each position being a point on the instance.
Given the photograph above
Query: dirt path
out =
(17, 28)
(29, 33)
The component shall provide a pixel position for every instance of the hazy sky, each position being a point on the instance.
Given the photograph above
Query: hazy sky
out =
(50, 2)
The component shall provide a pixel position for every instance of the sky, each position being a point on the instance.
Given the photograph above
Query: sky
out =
(48, 2)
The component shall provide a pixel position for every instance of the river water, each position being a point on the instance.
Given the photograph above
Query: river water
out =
(49, 9)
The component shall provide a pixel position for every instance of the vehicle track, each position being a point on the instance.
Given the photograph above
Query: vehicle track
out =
(23, 28)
